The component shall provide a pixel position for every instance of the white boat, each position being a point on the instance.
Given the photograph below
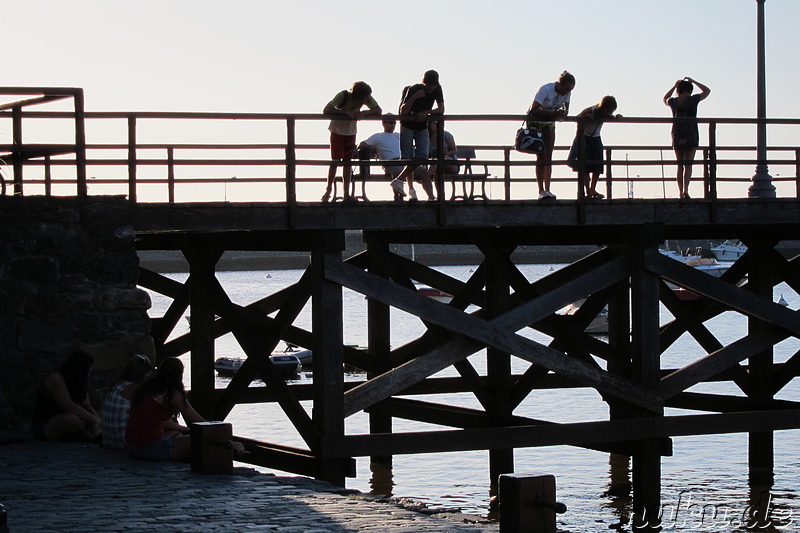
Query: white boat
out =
(709, 265)
(286, 364)
(729, 250)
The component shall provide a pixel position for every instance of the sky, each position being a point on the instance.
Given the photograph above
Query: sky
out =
(284, 56)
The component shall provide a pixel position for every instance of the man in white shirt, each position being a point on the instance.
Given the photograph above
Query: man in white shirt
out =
(384, 146)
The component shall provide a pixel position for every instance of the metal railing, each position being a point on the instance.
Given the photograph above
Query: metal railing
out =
(135, 160)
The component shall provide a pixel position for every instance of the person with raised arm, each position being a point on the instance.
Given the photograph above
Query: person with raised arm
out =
(685, 133)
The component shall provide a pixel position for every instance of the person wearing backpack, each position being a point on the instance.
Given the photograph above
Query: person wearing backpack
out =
(346, 107)
(685, 134)
(418, 100)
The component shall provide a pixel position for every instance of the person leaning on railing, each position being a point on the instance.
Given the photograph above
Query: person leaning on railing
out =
(550, 104)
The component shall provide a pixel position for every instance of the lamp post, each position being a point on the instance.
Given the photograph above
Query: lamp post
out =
(762, 186)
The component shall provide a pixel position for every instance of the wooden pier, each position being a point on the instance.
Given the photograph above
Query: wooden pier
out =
(488, 313)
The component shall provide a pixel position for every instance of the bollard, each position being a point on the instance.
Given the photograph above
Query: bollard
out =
(528, 503)
(212, 451)
(3, 519)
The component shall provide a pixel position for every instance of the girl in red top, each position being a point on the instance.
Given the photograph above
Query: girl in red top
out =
(153, 432)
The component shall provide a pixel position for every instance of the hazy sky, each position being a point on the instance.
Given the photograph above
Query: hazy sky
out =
(287, 56)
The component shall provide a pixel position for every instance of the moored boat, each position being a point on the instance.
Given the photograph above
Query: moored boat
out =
(286, 364)
(730, 250)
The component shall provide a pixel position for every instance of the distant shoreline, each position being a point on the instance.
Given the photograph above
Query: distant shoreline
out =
(427, 254)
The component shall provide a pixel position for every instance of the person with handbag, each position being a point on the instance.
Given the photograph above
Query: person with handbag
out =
(593, 145)
(685, 134)
(550, 104)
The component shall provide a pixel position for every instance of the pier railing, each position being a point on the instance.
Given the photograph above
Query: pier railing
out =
(267, 157)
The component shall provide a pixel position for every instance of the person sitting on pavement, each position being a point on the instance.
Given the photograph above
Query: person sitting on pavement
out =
(385, 146)
(63, 411)
(153, 431)
(346, 106)
(117, 405)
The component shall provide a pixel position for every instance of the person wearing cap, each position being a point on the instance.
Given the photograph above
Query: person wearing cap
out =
(346, 107)
(418, 101)
(385, 146)
(550, 104)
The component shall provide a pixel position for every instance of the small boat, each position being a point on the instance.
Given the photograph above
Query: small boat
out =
(709, 265)
(434, 293)
(286, 364)
(730, 250)
(598, 325)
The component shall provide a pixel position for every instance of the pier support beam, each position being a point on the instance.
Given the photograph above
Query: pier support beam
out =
(760, 452)
(379, 340)
(645, 355)
(328, 388)
(498, 368)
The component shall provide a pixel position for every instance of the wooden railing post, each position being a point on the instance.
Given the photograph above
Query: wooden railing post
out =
(507, 173)
(16, 121)
(80, 144)
(797, 172)
(48, 177)
(291, 170)
(712, 168)
(609, 178)
(171, 174)
(132, 159)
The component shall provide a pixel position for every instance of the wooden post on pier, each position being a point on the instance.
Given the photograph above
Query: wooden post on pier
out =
(498, 364)
(327, 325)
(760, 452)
(379, 337)
(645, 352)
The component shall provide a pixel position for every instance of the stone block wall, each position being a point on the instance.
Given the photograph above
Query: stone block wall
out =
(68, 280)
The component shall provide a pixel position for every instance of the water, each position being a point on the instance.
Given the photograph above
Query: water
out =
(705, 473)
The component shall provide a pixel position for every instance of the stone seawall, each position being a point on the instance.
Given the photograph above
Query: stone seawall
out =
(68, 280)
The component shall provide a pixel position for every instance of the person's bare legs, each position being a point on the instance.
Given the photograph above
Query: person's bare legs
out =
(329, 185)
(684, 175)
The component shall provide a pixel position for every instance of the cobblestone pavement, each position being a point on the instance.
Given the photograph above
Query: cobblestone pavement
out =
(57, 487)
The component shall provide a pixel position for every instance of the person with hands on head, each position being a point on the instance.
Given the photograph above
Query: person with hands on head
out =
(63, 411)
(685, 133)
(551, 104)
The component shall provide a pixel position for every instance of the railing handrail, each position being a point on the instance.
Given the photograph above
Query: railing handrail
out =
(59, 154)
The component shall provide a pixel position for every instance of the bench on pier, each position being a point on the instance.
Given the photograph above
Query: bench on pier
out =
(466, 175)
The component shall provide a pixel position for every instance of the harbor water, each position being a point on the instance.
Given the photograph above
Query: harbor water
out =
(704, 483)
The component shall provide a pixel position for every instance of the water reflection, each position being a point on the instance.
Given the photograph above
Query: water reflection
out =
(381, 481)
(618, 492)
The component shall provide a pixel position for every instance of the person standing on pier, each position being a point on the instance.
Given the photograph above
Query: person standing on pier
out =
(418, 100)
(685, 133)
(347, 105)
(593, 144)
(550, 104)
